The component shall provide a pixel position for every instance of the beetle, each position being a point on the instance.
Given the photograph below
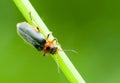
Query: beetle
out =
(33, 36)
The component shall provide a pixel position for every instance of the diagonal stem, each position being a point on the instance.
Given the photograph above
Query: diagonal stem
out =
(63, 61)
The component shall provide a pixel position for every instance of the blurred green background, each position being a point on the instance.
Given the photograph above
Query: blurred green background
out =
(91, 27)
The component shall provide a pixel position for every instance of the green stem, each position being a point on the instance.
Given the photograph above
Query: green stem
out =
(63, 61)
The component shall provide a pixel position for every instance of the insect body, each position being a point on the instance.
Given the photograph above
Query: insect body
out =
(31, 35)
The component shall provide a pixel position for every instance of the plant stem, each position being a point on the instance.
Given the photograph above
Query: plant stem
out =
(65, 64)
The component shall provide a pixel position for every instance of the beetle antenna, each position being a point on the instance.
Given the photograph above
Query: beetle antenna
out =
(74, 51)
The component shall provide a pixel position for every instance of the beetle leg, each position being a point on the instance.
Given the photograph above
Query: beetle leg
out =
(30, 16)
(48, 35)
(44, 54)
(38, 30)
(57, 42)
(53, 40)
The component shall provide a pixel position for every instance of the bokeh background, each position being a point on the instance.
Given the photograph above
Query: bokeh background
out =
(91, 27)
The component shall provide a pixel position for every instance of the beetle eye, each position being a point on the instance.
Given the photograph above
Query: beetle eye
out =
(47, 48)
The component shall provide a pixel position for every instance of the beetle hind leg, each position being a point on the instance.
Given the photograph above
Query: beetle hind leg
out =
(33, 22)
